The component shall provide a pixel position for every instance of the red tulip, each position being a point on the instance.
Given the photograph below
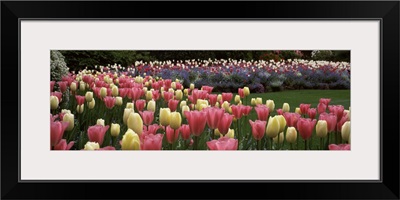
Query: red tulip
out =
(321, 108)
(62, 85)
(339, 147)
(172, 104)
(96, 133)
(223, 143)
(57, 131)
(225, 123)
(147, 116)
(246, 110)
(212, 99)
(213, 116)
(152, 142)
(62, 145)
(304, 108)
(197, 121)
(52, 85)
(185, 131)
(325, 101)
(80, 99)
(172, 135)
(338, 110)
(258, 128)
(262, 112)
(241, 92)
(330, 119)
(140, 104)
(109, 101)
(227, 97)
(279, 111)
(312, 112)
(306, 127)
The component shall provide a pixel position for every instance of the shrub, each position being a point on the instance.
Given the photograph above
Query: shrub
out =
(58, 67)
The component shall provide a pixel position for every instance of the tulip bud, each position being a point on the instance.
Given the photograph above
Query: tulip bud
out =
(80, 108)
(89, 96)
(191, 86)
(54, 102)
(127, 112)
(68, 117)
(321, 128)
(237, 99)
(273, 127)
(82, 86)
(346, 131)
(297, 110)
(115, 129)
(178, 94)
(114, 91)
(271, 105)
(73, 86)
(286, 107)
(282, 122)
(219, 97)
(258, 100)
(253, 101)
(176, 120)
(149, 95)
(103, 92)
(135, 123)
(246, 91)
(129, 105)
(118, 101)
(281, 138)
(291, 135)
(130, 141)
(91, 146)
(165, 116)
(100, 122)
(185, 108)
(92, 104)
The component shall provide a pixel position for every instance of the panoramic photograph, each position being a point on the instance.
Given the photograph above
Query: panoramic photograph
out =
(261, 100)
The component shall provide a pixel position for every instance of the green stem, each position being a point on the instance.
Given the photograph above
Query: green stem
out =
(195, 142)
(305, 144)
(321, 142)
(259, 144)
(291, 146)
(271, 143)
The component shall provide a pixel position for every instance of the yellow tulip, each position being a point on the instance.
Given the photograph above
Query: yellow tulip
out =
(281, 138)
(149, 95)
(230, 134)
(80, 108)
(165, 116)
(118, 101)
(100, 122)
(127, 112)
(68, 117)
(54, 102)
(151, 106)
(73, 86)
(225, 106)
(286, 107)
(103, 92)
(237, 99)
(271, 105)
(191, 86)
(253, 101)
(91, 146)
(82, 86)
(176, 120)
(129, 105)
(273, 127)
(183, 103)
(297, 110)
(130, 141)
(178, 94)
(246, 91)
(321, 128)
(217, 133)
(92, 104)
(89, 96)
(346, 131)
(291, 135)
(282, 122)
(115, 129)
(219, 97)
(135, 123)
(258, 100)
(114, 91)
(185, 108)
(173, 85)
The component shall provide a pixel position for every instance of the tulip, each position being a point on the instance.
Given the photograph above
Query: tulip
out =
(339, 147)
(186, 92)
(136, 93)
(89, 96)
(73, 86)
(178, 94)
(173, 104)
(109, 102)
(129, 105)
(172, 135)
(68, 117)
(224, 123)
(165, 116)
(223, 143)
(103, 92)
(246, 91)
(227, 97)
(135, 123)
(337, 110)
(130, 141)
(80, 108)
(321, 128)
(237, 98)
(140, 104)
(246, 110)
(306, 127)
(325, 101)
(312, 112)
(297, 110)
(219, 97)
(258, 101)
(230, 134)
(54, 102)
(304, 108)
(183, 103)
(151, 106)
(346, 131)
(279, 111)
(184, 109)
(197, 121)
(213, 116)
(271, 105)
(114, 91)
(291, 135)
(100, 122)
(62, 145)
(286, 107)
(330, 120)
(115, 129)
(321, 108)
(273, 127)
(62, 85)
(253, 101)
(341, 122)
(282, 122)
(118, 101)
(57, 94)
(258, 128)
(175, 120)
(57, 131)
(147, 116)
(191, 86)
(96, 133)
(92, 104)
(241, 93)
(217, 133)
(149, 95)
(262, 112)
(237, 111)
(152, 142)
(185, 131)
(280, 139)
(127, 112)
(92, 146)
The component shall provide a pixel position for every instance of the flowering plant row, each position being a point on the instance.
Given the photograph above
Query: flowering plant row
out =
(114, 111)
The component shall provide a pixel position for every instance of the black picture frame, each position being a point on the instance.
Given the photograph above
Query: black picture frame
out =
(386, 11)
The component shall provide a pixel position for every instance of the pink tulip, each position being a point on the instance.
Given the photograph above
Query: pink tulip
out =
(156, 95)
(168, 96)
(199, 94)
(225, 123)
(62, 145)
(80, 99)
(246, 110)
(337, 110)
(306, 127)
(339, 147)
(172, 135)
(57, 94)
(237, 111)
(109, 101)
(136, 93)
(140, 104)
(197, 121)
(167, 84)
(325, 101)
(223, 143)
(207, 88)
(53, 117)
(173, 104)
(185, 131)
(262, 112)
(304, 108)
(241, 92)
(213, 116)
(212, 99)
(341, 122)
(96, 133)
(152, 142)
(258, 128)
(321, 108)
(330, 119)
(62, 85)
(147, 116)
(312, 112)
(152, 129)
(279, 111)
(52, 85)
(57, 129)
(122, 92)
(227, 97)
